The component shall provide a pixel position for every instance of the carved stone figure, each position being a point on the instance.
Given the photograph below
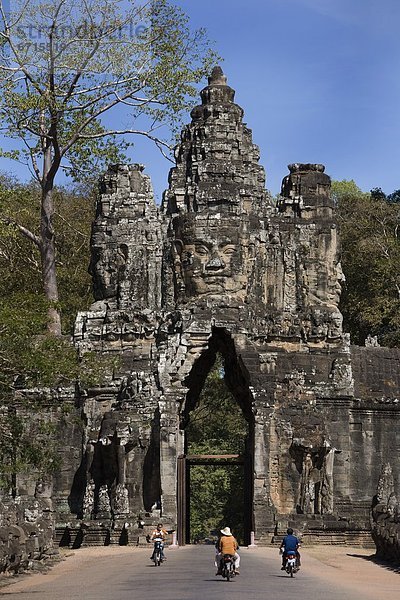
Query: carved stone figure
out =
(33, 513)
(371, 341)
(88, 500)
(210, 258)
(385, 519)
(326, 493)
(316, 477)
(124, 269)
(309, 478)
(121, 500)
(103, 502)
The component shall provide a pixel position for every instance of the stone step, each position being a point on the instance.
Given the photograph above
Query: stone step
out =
(359, 539)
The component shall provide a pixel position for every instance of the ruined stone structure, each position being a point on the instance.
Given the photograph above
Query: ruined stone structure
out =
(27, 526)
(386, 517)
(222, 268)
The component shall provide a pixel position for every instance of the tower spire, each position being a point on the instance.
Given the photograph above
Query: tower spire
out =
(217, 163)
(217, 77)
(217, 91)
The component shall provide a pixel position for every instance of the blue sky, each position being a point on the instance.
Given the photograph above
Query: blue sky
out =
(319, 81)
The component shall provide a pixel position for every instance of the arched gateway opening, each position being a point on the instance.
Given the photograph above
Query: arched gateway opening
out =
(215, 475)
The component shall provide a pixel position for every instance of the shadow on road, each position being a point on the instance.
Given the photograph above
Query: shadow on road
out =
(385, 564)
(217, 580)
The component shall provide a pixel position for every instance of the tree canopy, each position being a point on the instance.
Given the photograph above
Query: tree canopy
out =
(27, 356)
(71, 74)
(369, 227)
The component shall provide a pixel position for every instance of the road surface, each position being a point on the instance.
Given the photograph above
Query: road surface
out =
(125, 573)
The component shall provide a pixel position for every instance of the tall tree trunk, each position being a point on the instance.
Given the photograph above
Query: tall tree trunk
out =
(48, 256)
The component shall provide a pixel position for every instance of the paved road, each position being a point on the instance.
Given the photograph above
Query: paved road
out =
(188, 574)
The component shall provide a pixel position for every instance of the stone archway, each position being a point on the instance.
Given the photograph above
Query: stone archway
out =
(221, 267)
(237, 381)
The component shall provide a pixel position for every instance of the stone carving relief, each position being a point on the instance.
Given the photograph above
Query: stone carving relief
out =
(106, 464)
(371, 341)
(385, 518)
(103, 508)
(121, 500)
(316, 477)
(88, 500)
(218, 253)
(209, 258)
(126, 243)
(135, 387)
(341, 374)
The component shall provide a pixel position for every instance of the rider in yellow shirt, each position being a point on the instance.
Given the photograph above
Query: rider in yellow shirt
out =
(227, 544)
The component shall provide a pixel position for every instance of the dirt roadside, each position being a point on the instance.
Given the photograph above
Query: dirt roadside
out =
(69, 561)
(353, 568)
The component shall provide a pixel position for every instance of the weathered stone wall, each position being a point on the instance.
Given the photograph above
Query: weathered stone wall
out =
(118, 482)
(220, 268)
(256, 282)
(28, 516)
(374, 418)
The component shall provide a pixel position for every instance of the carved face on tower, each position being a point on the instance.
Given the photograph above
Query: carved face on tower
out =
(108, 268)
(209, 253)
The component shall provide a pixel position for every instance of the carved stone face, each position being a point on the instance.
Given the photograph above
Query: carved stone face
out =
(107, 267)
(211, 260)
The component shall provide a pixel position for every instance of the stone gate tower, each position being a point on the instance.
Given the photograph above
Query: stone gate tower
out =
(220, 267)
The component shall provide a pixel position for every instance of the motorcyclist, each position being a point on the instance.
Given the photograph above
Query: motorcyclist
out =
(227, 544)
(290, 543)
(159, 534)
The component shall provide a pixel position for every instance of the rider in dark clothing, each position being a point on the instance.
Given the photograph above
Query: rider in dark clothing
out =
(290, 543)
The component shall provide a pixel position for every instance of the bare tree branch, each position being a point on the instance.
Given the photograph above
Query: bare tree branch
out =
(158, 142)
(23, 230)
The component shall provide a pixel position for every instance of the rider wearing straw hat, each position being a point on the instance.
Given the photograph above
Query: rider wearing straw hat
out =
(227, 544)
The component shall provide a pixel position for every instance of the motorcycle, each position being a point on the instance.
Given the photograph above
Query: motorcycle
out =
(158, 553)
(291, 563)
(228, 567)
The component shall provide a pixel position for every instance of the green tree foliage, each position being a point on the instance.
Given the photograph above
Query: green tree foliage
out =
(217, 426)
(369, 226)
(216, 501)
(27, 442)
(378, 194)
(20, 259)
(25, 352)
(68, 70)
(29, 357)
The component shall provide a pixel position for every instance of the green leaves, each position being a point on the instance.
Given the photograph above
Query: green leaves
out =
(26, 352)
(29, 357)
(369, 226)
(78, 80)
(216, 500)
(216, 426)
(69, 65)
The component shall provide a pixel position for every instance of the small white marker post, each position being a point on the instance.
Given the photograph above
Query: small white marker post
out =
(252, 544)
(174, 545)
